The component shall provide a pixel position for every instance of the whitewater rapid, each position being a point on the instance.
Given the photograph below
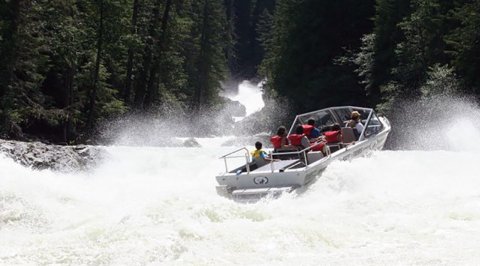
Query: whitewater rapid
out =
(152, 205)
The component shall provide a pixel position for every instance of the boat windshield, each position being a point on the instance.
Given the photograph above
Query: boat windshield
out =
(326, 118)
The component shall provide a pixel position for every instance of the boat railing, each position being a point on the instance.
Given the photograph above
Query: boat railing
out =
(231, 155)
(302, 155)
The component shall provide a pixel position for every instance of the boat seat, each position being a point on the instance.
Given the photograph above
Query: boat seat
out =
(334, 146)
(348, 136)
(285, 156)
(314, 156)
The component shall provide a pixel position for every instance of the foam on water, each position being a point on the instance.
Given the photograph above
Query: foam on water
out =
(158, 205)
(153, 205)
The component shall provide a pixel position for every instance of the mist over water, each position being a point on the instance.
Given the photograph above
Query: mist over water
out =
(166, 129)
(436, 123)
(158, 206)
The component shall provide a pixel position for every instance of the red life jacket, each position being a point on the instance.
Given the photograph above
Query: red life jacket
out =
(307, 129)
(276, 141)
(332, 136)
(296, 139)
(319, 147)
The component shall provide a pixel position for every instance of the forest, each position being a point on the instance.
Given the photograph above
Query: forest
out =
(67, 67)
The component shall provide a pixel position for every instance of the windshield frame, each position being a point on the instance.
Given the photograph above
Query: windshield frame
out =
(333, 112)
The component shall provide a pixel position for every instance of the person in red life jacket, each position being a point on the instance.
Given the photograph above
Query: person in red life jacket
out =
(314, 136)
(301, 141)
(310, 130)
(298, 139)
(280, 141)
(333, 135)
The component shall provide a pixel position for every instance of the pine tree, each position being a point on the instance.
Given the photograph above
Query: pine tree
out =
(96, 77)
(423, 46)
(387, 34)
(464, 43)
(23, 65)
(131, 50)
(208, 53)
(303, 65)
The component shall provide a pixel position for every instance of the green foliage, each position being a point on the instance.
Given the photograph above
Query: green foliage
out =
(464, 43)
(427, 48)
(66, 62)
(207, 53)
(23, 60)
(388, 14)
(364, 60)
(68, 65)
(306, 42)
(423, 46)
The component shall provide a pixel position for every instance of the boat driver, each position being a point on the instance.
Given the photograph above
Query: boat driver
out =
(356, 124)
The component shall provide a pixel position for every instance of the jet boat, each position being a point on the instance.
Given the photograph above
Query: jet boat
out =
(292, 170)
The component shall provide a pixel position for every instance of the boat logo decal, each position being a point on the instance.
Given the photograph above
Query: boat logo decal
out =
(260, 180)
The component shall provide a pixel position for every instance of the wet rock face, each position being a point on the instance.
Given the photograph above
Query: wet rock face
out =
(59, 158)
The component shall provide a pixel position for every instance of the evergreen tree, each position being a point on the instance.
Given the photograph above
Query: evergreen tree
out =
(423, 45)
(464, 43)
(302, 66)
(207, 53)
(261, 24)
(387, 34)
(105, 31)
(23, 61)
(244, 37)
(133, 39)
(63, 30)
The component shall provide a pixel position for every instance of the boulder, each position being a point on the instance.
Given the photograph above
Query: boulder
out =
(40, 156)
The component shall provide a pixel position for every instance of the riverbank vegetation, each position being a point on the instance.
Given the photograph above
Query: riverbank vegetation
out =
(68, 66)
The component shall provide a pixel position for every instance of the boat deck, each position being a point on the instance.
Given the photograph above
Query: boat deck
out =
(277, 165)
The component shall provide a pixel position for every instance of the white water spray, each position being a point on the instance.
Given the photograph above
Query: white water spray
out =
(158, 205)
(250, 96)
(153, 205)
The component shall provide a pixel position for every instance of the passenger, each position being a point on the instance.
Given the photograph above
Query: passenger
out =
(259, 153)
(299, 139)
(333, 135)
(259, 156)
(280, 141)
(310, 130)
(356, 124)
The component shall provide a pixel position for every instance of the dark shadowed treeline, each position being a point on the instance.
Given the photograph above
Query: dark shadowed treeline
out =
(307, 39)
(68, 66)
(376, 53)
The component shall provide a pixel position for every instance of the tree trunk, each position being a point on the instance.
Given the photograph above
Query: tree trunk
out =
(202, 64)
(69, 75)
(96, 73)
(140, 90)
(230, 51)
(128, 79)
(152, 89)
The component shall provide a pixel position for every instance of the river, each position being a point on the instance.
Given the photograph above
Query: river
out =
(158, 206)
